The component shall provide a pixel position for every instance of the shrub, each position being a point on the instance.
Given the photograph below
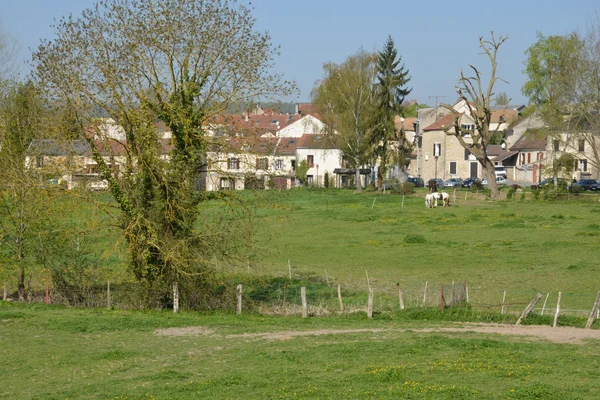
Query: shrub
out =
(326, 178)
(476, 186)
(511, 192)
(415, 238)
(406, 188)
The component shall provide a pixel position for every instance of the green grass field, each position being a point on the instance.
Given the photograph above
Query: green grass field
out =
(48, 352)
(523, 247)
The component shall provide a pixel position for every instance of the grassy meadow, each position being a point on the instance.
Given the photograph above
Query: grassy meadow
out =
(331, 237)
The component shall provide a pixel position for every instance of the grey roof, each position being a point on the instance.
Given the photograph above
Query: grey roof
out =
(53, 147)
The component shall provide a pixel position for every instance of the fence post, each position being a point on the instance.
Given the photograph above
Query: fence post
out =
(544, 306)
(526, 312)
(340, 297)
(326, 278)
(466, 291)
(290, 269)
(557, 310)
(304, 305)
(175, 297)
(593, 313)
(47, 291)
(239, 299)
(441, 297)
(400, 297)
(370, 304)
(503, 299)
(425, 294)
(108, 295)
(5, 292)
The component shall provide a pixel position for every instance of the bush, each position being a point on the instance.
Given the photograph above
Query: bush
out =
(476, 186)
(326, 180)
(406, 188)
(511, 192)
(415, 238)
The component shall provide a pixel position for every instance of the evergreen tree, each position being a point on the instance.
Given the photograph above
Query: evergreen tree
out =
(390, 91)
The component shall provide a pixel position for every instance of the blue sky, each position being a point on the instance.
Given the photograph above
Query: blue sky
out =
(436, 39)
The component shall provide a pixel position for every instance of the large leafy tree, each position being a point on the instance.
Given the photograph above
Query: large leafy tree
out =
(390, 91)
(179, 62)
(563, 84)
(345, 101)
(477, 97)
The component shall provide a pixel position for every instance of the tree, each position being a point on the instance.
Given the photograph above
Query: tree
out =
(392, 78)
(345, 101)
(563, 80)
(24, 203)
(477, 100)
(141, 62)
(501, 99)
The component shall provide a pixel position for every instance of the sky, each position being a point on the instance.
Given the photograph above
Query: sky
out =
(436, 39)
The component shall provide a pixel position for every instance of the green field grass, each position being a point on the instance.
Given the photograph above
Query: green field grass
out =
(49, 352)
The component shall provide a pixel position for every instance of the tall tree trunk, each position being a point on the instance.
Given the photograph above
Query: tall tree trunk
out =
(21, 284)
(358, 182)
(489, 172)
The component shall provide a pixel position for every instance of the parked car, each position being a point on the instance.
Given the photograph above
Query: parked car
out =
(467, 183)
(500, 171)
(439, 183)
(500, 181)
(549, 183)
(585, 184)
(98, 185)
(454, 182)
(418, 182)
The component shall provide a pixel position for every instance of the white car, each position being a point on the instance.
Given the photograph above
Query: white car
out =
(98, 185)
(500, 181)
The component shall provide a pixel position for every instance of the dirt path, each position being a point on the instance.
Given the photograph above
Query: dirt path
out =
(556, 335)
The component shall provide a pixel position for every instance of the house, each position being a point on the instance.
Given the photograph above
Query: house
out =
(322, 158)
(440, 155)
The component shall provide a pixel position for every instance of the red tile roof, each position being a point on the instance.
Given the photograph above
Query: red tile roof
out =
(441, 124)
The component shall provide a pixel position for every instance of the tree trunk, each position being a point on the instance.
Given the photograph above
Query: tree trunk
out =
(489, 172)
(358, 182)
(21, 284)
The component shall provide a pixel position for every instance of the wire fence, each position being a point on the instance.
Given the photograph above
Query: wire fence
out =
(324, 295)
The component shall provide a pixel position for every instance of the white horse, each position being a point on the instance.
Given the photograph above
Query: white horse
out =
(431, 200)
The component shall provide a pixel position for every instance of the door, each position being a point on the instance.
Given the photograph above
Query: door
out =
(473, 170)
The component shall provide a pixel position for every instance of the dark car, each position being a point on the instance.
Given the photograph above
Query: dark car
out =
(418, 182)
(467, 183)
(438, 183)
(585, 184)
(549, 183)
(454, 182)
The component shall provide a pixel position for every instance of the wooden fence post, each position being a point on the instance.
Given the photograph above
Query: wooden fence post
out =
(175, 297)
(340, 297)
(326, 278)
(304, 305)
(503, 299)
(108, 295)
(593, 313)
(526, 312)
(239, 299)
(5, 292)
(47, 291)
(557, 310)
(425, 294)
(545, 301)
(466, 291)
(370, 304)
(441, 297)
(400, 297)
(290, 269)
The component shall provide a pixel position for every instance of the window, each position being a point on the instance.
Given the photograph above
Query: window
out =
(502, 119)
(555, 144)
(309, 179)
(278, 164)
(467, 154)
(293, 165)
(452, 167)
(522, 158)
(528, 158)
(581, 145)
(262, 163)
(583, 165)
(227, 184)
(310, 160)
(437, 149)
(233, 163)
(39, 161)
(468, 127)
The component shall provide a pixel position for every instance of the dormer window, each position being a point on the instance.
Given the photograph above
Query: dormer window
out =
(502, 119)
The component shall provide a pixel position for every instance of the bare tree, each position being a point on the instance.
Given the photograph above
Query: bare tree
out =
(477, 98)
